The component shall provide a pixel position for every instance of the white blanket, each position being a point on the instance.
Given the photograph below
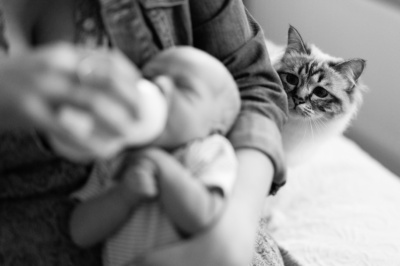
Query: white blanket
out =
(341, 209)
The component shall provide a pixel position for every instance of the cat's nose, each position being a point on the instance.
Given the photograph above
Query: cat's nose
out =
(298, 101)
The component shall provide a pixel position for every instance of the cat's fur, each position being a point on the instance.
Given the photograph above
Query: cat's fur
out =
(324, 94)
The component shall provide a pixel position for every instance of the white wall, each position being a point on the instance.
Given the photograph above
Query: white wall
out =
(368, 29)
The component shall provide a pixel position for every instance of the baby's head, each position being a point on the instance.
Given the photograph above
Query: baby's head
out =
(202, 94)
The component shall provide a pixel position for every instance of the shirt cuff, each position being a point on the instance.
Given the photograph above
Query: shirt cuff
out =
(255, 131)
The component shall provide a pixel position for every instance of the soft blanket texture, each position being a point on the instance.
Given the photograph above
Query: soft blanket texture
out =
(267, 252)
(342, 208)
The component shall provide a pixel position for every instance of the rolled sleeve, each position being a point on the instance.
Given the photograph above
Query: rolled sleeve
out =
(254, 131)
(233, 36)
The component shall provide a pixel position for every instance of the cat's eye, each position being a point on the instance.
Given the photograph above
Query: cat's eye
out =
(320, 92)
(292, 79)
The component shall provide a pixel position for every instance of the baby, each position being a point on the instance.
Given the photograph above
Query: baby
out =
(175, 187)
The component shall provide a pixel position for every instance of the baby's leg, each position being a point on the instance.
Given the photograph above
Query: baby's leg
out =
(109, 199)
(147, 228)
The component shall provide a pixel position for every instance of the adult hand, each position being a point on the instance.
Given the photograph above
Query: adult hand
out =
(129, 110)
(62, 88)
(231, 240)
(35, 83)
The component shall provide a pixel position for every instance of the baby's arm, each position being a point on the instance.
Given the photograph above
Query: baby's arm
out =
(189, 204)
(95, 219)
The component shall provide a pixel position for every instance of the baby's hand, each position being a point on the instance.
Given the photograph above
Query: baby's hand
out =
(137, 176)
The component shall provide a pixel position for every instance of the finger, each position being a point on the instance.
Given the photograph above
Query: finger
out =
(44, 118)
(111, 73)
(119, 120)
(60, 56)
(125, 91)
(109, 117)
(41, 115)
(93, 70)
(79, 128)
(101, 104)
(59, 59)
(76, 128)
(76, 109)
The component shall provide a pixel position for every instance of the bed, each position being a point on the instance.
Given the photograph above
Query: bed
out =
(341, 208)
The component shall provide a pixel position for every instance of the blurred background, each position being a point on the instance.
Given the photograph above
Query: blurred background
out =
(368, 29)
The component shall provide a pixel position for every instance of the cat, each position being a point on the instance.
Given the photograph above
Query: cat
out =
(324, 94)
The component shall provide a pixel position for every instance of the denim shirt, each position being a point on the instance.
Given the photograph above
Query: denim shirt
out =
(141, 28)
(35, 184)
(225, 30)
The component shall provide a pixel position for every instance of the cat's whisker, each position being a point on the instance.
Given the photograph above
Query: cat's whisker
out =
(317, 126)
(311, 128)
(320, 125)
(304, 136)
(324, 122)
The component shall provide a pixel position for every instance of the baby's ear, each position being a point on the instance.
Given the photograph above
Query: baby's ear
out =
(352, 68)
(295, 42)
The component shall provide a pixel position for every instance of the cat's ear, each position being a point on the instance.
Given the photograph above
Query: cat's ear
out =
(295, 42)
(352, 68)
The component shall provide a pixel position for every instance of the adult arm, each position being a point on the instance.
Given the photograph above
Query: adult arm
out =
(223, 29)
(230, 241)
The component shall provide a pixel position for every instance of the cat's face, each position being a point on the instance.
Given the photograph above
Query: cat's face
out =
(318, 86)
